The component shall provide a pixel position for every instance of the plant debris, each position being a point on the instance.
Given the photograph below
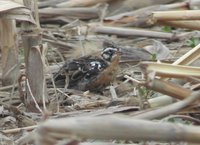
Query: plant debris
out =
(105, 72)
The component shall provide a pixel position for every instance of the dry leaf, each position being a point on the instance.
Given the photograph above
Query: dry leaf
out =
(13, 10)
(159, 49)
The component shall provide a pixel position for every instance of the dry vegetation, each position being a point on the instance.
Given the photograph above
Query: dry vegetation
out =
(153, 99)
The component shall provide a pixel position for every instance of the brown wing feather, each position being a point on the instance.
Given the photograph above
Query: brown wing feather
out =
(104, 78)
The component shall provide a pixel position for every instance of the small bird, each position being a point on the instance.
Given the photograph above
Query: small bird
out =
(93, 72)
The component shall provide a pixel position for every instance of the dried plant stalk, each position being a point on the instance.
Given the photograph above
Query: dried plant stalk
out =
(189, 57)
(140, 17)
(193, 25)
(168, 88)
(34, 64)
(176, 15)
(80, 3)
(132, 32)
(118, 128)
(49, 3)
(81, 13)
(165, 87)
(16, 130)
(10, 67)
(168, 70)
(34, 71)
(160, 101)
(169, 109)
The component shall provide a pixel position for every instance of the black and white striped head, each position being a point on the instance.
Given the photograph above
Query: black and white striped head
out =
(109, 52)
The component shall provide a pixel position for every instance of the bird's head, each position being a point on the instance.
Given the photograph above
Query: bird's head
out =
(110, 52)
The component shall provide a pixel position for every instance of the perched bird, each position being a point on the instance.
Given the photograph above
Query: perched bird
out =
(92, 73)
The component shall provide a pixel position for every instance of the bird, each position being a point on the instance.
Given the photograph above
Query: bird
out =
(92, 72)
